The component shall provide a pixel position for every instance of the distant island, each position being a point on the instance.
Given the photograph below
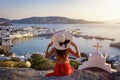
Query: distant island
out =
(50, 20)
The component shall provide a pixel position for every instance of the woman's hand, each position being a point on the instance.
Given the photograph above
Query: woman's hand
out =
(72, 43)
(50, 44)
(49, 52)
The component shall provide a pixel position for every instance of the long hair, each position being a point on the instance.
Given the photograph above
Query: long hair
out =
(61, 52)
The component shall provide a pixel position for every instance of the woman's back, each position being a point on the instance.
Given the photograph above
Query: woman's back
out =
(61, 56)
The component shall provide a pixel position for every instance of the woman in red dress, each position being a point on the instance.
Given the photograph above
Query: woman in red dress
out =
(61, 46)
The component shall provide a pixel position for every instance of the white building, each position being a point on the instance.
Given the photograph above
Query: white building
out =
(97, 60)
(5, 41)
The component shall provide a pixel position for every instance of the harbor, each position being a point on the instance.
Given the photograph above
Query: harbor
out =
(34, 38)
(39, 44)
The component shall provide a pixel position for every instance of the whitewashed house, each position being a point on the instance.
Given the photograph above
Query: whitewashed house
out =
(5, 41)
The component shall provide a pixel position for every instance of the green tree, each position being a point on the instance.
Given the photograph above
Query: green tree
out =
(5, 53)
(75, 64)
(40, 63)
(2, 51)
(84, 55)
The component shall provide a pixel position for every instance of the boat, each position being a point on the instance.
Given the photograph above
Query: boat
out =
(115, 44)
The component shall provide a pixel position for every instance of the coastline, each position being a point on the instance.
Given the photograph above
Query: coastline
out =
(80, 40)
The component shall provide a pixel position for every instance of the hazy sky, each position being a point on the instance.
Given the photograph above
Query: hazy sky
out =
(77, 9)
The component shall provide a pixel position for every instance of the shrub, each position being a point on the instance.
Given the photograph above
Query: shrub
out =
(8, 53)
(45, 64)
(13, 64)
(7, 64)
(15, 59)
(2, 51)
(83, 55)
(110, 62)
(35, 59)
(75, 64)
(5, 53)
(20, 65)
(40, 63)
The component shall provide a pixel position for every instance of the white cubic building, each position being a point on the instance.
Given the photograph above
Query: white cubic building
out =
(97, 60)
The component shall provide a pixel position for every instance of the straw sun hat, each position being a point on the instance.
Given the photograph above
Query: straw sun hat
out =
(61, 40)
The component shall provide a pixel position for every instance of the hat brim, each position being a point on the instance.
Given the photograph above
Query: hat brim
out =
(68, 36)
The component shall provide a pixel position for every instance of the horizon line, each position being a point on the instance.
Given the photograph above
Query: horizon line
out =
(65, 17)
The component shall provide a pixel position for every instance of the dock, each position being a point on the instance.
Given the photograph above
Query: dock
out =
(95, 37)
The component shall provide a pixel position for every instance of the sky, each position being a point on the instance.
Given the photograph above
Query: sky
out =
(95, 10)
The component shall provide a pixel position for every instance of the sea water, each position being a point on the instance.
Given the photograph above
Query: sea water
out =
(39, 44)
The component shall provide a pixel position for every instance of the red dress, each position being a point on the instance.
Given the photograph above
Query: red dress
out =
(62, 69)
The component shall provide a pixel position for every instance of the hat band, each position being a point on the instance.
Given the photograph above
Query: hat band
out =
(65, 43)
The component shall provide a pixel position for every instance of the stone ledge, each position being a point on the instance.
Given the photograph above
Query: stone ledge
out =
(31, 74)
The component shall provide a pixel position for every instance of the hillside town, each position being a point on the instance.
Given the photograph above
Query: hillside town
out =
(10, 33)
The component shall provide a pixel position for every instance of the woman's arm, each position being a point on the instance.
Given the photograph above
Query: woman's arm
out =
(75, 53)
(49, 53)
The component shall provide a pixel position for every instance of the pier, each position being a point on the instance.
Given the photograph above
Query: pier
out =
(95, 37)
